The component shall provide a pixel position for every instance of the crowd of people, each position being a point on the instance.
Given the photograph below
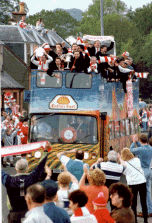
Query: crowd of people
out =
(14, 126)
(86, 57)
(81, 193)
(145, 117)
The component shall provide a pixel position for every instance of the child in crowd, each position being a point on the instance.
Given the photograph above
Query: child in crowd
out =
(64, 180)
(101, 212)
(78, 200)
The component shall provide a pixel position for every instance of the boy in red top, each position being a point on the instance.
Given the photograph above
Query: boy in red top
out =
(101, 212)
(24, 131)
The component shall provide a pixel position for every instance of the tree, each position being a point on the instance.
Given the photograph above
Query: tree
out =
(142, 18)
(61, 21)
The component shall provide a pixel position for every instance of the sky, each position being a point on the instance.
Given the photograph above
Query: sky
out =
(38, 5)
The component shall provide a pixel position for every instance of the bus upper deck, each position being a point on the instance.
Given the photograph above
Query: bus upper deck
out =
(76, 92)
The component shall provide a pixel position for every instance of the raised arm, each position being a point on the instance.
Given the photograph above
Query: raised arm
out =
(66, 152)
(84, 176)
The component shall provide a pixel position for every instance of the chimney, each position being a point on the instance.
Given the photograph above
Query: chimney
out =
(17, 16)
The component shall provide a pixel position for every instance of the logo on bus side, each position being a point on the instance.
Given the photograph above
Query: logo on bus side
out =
(64, 102)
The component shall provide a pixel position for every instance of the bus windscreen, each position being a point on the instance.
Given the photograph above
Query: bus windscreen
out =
(59, 128)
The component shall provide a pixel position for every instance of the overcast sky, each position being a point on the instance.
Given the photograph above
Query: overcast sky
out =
(38, 5)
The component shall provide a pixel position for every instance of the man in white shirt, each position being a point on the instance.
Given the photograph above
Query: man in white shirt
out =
(34, 198)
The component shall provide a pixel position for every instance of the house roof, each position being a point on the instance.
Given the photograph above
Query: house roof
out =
(8, 82)
(13, 33)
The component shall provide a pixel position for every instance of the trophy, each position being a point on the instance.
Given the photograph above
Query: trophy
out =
(68, 59)
(39, 52)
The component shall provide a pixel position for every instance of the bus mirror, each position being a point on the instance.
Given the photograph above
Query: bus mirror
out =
(86, 155)
(37, 154)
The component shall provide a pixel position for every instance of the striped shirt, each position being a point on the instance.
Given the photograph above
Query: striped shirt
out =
(112, 170)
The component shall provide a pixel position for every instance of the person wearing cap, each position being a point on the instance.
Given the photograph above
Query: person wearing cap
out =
(101, 212)
(125, 55)
(55, 213)
(16, 186)
(78, 200)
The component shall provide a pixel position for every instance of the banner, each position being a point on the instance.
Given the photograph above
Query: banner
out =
(100, 38)
(129, 98)
(20, 149)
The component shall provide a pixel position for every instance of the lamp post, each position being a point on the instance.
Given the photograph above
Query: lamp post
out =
(101, 17)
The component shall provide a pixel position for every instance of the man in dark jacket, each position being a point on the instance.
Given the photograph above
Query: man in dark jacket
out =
(77, 62)
(16, 186)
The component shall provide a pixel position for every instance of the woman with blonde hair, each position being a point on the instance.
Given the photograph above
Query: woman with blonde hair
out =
(96, 179)
(135, 180)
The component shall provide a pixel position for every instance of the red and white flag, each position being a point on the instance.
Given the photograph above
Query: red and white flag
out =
(106, 59)
(23, 148)
(142, 75)
(43, 78)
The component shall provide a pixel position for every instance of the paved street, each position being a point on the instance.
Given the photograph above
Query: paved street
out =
(11, 171)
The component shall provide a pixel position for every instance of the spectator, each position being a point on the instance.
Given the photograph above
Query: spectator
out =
(144, 153)
(77, 63)
(144, 119)
(103, 50)
(135, 179)
(123, 73)
(111, 71)
(15, 108)
(96, 48)
(100, 211)
(73, 166)
(43, 64)
(111, 168)
(64, 180)
(24, 131)
(96, 179)
(78, 200)
(8, 139)
(20, 123)
(3, 115)
(23, 24)
(142, 104)
(121, 197)
(74, 47)
(17, 185)
(150, 127)
(35, 197)
(8, 102)
(58, 64)
(62, 47)
(129, 62)
(40, 27)
(125, 55)
(85, 56)
(93, 65)
(55, 213)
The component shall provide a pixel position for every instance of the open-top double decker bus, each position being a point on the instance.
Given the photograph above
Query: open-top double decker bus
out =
(81, 111)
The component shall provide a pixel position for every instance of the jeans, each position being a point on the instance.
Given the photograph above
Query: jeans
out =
(144, 126)
(147, 173)
(141, 188)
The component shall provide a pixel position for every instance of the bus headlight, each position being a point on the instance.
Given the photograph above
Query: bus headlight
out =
(86, 155)
(37, 154)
